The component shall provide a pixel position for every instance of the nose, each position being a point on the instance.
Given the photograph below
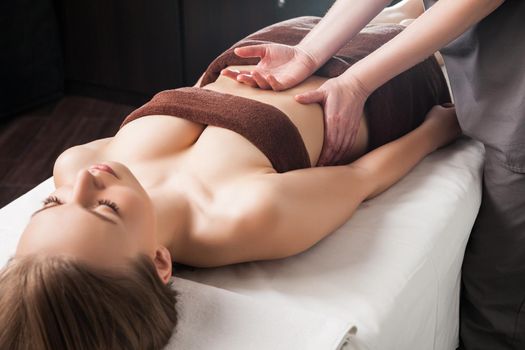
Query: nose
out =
(85, 188)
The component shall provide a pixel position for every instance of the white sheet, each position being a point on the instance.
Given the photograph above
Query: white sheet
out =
(214, 318)
(393, 270)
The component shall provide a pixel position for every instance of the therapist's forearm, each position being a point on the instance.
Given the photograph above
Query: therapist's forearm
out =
(438, 26)
(406, 9)
(342, 22)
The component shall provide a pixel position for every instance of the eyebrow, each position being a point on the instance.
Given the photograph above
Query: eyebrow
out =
(98, 215)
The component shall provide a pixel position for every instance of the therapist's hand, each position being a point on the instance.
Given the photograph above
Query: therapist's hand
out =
(343, 100)
(281, 66)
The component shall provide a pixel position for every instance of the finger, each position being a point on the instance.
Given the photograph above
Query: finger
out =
(274, 83)
(329, 148)
(250, 51)
(448, 105)
(321, 161)
(259, 79)
(314, 96)
(230, 73)
(339, 127)
(338, 143)
(247, 79)
(332, 126)
(346, 143)
(328, 138)
(330, 156)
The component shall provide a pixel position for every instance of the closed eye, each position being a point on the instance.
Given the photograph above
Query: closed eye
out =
(52, 199)
(57, 201)
(105, 202)
(110, 204)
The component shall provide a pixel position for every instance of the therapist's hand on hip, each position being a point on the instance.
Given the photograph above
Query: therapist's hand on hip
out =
(281, 66)
(343, 100)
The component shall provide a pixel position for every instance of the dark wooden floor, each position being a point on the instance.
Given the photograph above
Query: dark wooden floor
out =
(31, 141)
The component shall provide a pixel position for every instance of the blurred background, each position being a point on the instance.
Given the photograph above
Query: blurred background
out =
(72, 70)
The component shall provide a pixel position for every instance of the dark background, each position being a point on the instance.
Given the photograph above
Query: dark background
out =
(70, 71)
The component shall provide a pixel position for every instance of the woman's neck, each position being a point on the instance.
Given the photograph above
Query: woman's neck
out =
(175, 219)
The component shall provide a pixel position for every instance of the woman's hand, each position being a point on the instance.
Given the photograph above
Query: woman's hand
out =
(443, 121)
(281, 66)
(343, 100)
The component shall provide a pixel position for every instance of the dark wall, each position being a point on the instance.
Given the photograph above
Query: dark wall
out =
(30, 56)
(122, 50)
(129, 49)
(210, 27)
(127, 46)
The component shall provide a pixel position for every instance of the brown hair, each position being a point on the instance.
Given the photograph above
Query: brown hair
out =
(56, 302)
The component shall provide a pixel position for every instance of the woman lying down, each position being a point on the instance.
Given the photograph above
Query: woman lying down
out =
(206, 177)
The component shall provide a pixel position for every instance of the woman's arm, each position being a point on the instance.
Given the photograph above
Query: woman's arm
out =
(301, 207)
(389, 163)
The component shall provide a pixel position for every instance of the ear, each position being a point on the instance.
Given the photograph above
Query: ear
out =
(162, 262)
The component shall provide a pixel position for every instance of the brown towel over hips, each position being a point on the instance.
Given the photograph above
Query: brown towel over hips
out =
(394, 109)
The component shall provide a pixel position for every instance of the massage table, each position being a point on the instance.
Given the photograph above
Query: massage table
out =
(388, 278)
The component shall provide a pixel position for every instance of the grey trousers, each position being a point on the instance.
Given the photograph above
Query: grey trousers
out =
(492, 311)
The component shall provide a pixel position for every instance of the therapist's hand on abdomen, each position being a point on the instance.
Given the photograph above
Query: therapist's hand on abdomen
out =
(281, 66)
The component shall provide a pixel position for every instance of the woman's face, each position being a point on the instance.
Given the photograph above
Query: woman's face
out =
(103, 217)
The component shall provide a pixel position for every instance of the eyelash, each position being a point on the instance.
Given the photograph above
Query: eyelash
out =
(108, 203)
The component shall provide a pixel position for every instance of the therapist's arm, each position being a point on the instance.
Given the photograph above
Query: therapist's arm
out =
(403, 10)
(341, 23)
(435, 28)
(343, 98)
(284, 66)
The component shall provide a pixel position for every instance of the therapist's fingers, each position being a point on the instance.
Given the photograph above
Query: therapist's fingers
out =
(260, 80)
(274, 83)
(251, 51)
(233, 73)
(345, 140)
(230, 73)
(313, 96)
(337, 123)
(331, 135)
(247, 79)
(329, 145)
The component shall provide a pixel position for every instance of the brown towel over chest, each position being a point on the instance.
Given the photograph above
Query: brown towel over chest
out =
(265, 126)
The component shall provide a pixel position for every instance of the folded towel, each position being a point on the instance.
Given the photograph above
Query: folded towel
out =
(214, 318)
(265, 126)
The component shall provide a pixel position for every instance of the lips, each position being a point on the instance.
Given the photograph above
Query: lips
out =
(105, 168)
